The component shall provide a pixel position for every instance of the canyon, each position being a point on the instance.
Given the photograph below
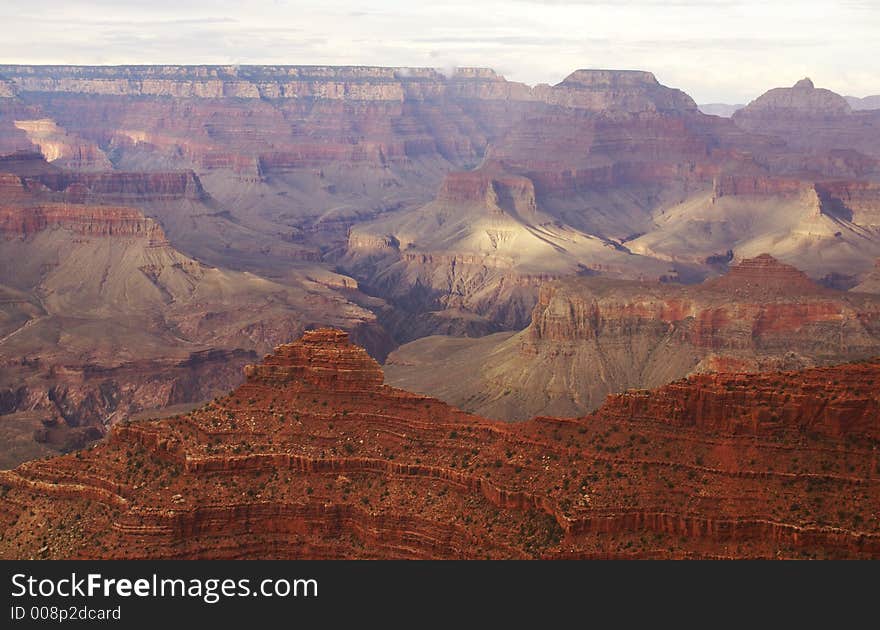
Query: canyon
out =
(313, 457)
(160, 226)
(101, 317)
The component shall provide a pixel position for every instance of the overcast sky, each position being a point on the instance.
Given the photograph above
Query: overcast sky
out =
(716, 50)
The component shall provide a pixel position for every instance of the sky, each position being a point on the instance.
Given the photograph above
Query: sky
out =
(715, 50)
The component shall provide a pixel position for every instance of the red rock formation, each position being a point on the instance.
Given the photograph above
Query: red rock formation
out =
(321, 360)
(87, 220)
(331, 464)
(593, 336)
(116, 187)
(834, 402)
(759, 295)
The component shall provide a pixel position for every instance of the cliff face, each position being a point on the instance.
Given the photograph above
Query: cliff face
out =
(832, 402)
(115, 187)
(451, 199)
(80, 219)
(587, 89)
(313, 458)
(756, 185)
(591, 337)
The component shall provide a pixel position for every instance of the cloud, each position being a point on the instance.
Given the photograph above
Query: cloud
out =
(716, 50)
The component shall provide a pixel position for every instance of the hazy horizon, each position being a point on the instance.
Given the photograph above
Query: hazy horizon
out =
(718, 51)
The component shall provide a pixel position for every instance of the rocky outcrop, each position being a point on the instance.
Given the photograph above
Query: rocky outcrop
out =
(832, 402)
(765, 274)
(321, 359)
(310, 463)
(80, 219)
(592, 336)
(117, 187)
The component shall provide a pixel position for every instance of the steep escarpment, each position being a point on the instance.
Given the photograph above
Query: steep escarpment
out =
(385, 136)
(115, 187)
(314, 458)
(858, 202)
(27, 220)
(425, 202)
(590, 337)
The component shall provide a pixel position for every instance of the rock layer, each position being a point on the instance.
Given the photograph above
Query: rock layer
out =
(308, 461)
(590, 337)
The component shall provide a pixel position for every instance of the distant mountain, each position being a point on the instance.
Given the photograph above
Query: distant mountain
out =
(724, 110)
(866, 102)
(812, 119)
